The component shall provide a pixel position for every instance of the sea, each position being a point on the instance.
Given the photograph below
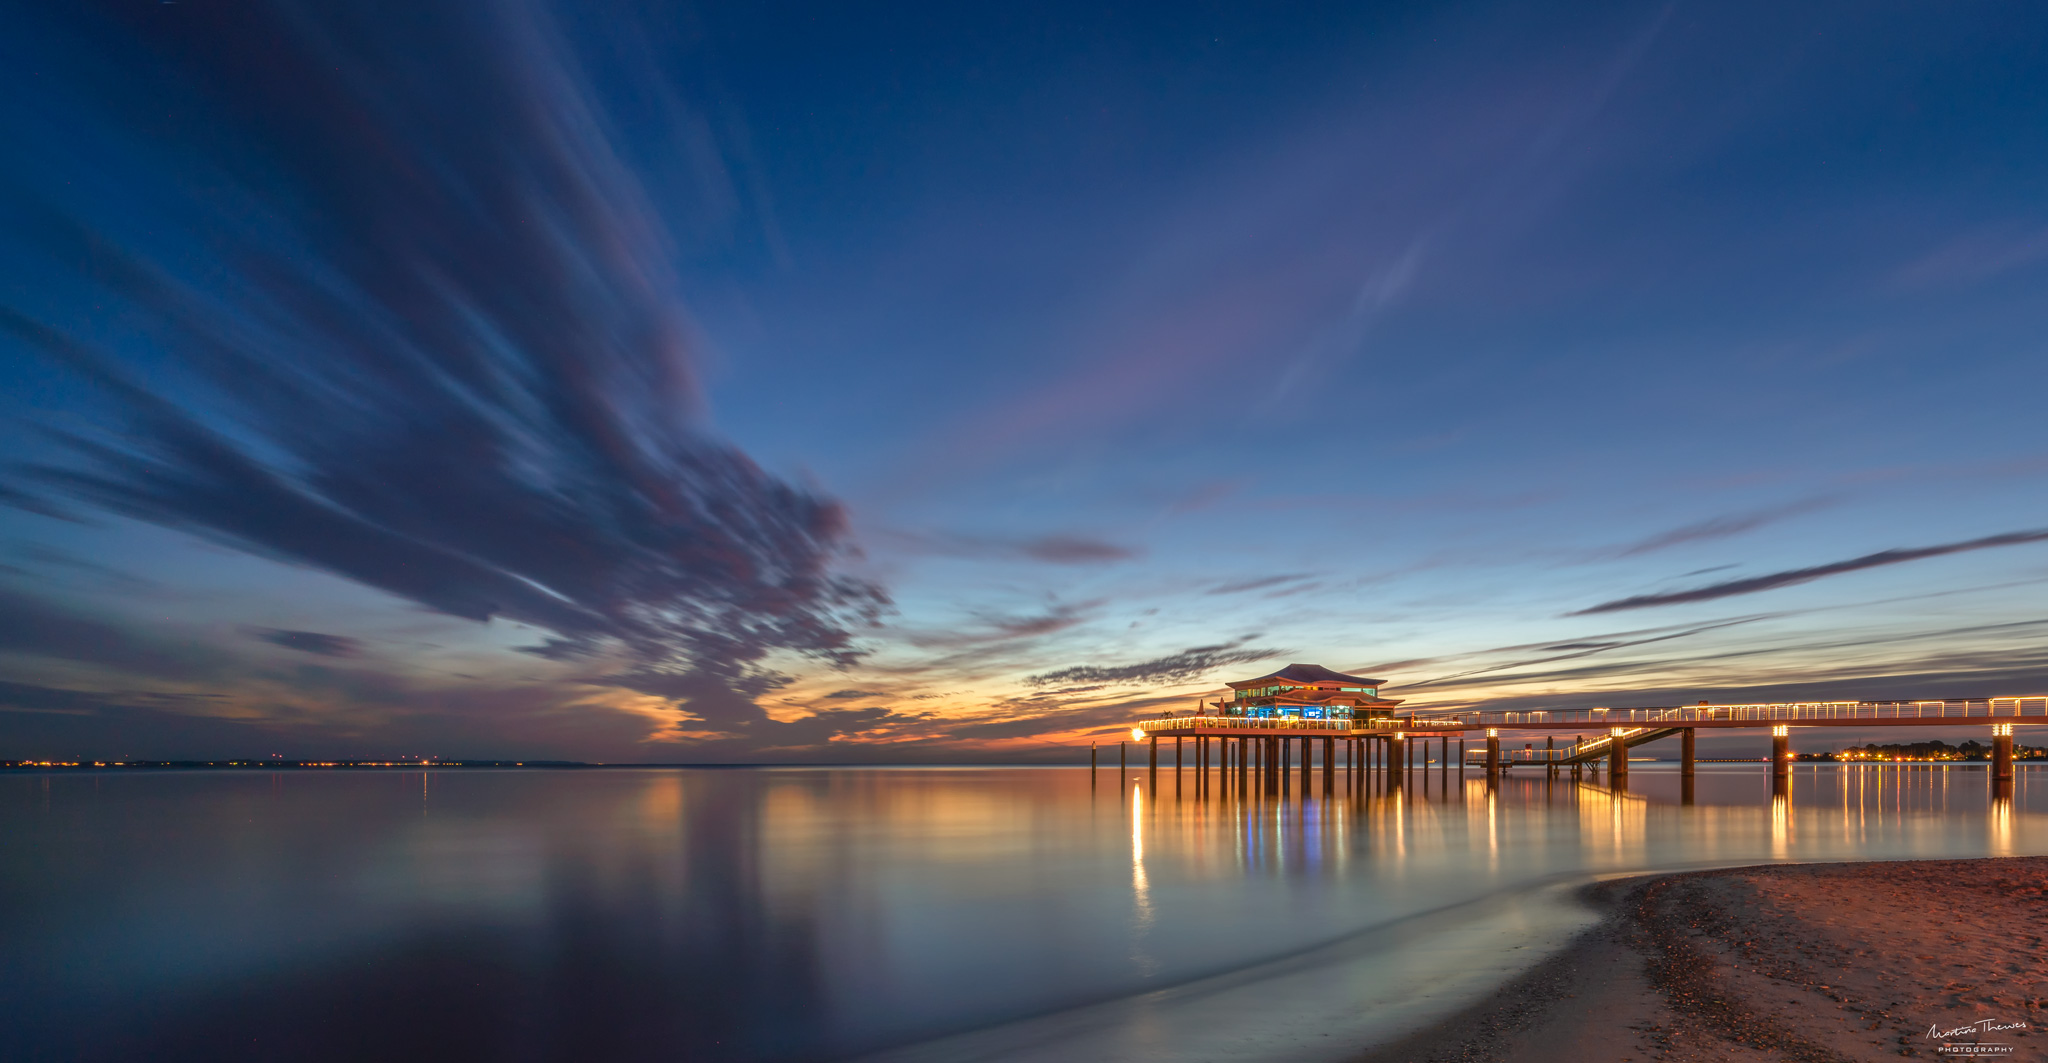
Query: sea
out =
(874, 913)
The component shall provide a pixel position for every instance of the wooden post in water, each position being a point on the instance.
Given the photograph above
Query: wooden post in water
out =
(1329, 766)
(1493, 753)
(1781, 750)
(1154, 780)
(1617, 755)
(1123, 765)
(1686, 741)
(2001, 752)
(1308, 767)
(1091, 765)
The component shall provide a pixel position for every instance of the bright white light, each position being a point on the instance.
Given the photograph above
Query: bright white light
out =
(1137, 735)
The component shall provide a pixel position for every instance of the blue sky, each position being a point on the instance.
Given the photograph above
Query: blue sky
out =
(800, 382)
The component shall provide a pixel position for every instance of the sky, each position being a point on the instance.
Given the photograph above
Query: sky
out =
(801, 382)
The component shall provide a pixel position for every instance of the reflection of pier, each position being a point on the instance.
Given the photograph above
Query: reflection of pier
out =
(1282, 725)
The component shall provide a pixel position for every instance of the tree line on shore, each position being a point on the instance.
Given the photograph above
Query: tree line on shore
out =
(1935, 749)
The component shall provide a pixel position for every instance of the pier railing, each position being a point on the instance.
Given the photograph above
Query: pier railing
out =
(1761, 713)
(1524, 756)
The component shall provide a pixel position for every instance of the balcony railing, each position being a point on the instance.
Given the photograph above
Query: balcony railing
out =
(1247, 723)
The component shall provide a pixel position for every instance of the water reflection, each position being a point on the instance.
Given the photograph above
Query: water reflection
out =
(806, 914)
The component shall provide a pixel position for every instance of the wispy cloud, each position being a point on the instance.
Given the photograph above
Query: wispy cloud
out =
(1573, 650)
(1258, 584)
(1722, 527)
(996, 628)
(1774, 580)
(1976, 256)
(1051, 549)
(312, 642)
(1188, 664)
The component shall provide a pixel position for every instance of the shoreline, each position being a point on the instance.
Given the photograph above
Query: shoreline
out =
(1821, 962)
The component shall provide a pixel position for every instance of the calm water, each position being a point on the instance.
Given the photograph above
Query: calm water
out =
(796, 914)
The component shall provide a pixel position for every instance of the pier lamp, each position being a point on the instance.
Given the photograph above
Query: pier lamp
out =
(1781, 730)
(2001, 730)
(1493, 732)
(1137, 734)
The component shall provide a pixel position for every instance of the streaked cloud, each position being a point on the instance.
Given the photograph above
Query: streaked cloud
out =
(1790, 577)
(310, 642)
(1722, 527)
(1185, 666)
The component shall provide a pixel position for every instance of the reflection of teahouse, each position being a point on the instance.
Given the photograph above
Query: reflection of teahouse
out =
(1309, 692)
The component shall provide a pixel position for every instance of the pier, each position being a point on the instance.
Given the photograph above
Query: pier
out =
(1310, 721)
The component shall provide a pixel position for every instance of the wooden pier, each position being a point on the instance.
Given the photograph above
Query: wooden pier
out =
(1260, 754)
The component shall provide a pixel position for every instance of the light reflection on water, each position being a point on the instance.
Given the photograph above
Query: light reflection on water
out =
(802, 913)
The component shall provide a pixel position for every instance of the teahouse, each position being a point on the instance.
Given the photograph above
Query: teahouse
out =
(1309, 692)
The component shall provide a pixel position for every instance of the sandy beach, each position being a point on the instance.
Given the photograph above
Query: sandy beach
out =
(1929, 959)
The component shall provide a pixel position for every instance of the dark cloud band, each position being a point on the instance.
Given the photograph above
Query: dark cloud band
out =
(1754, 584)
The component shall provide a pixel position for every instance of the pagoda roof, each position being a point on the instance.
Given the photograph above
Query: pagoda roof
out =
(1306, 673)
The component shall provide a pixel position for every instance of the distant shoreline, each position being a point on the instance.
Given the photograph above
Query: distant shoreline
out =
(436, 765)
(1766, 963)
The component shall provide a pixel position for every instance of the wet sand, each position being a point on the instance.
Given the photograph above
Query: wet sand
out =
(1785, 962)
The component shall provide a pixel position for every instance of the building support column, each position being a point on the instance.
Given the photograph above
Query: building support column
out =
(1329, 767)
(1686, 743)
(1781, 750)
(2001, 752)
(1308, 765)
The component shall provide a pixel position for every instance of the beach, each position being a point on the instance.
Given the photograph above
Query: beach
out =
(1928, 959)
